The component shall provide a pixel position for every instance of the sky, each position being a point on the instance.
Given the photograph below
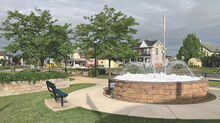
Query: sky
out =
(201, 17)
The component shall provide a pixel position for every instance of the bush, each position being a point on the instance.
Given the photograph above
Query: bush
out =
(91, 72)
(30, 75)
(101, 71)
(211, 61)
(77, 69)
(4, 67)
(71, 79)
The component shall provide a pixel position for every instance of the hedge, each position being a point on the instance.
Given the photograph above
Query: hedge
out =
(30, 75)
(99, 71)
(77, 69)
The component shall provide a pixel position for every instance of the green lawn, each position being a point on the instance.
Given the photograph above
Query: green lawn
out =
(204, 70)
(71, 79)
(31, 108)
(102, 76)
(213, 83)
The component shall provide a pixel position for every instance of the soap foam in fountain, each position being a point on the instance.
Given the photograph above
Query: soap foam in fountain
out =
(175, 71)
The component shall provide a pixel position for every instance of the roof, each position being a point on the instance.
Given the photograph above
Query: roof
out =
(209, 47)
(148, 42)
(138, 44)
(197, 59)
(2, 54)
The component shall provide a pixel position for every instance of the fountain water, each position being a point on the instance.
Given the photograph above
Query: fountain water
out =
(175, 71)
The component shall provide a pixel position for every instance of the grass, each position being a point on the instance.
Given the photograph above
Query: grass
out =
(101, 76)
(31, 108)
(71, 79)
(204, 70)
(213, 83)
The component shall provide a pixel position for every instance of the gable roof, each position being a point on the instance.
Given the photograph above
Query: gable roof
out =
(209, 47)
(148, 42)
(138, 44)
(2, 54)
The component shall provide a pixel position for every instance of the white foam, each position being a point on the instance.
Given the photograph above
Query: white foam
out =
(157, 77)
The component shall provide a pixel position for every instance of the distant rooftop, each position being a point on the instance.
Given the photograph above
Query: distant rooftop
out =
(148, 42)
(2, 53)
(209, 47)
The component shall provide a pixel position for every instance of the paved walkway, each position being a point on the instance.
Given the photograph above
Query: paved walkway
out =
(93, 98)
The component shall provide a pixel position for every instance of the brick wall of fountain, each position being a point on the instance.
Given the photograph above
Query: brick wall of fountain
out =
(160, 92)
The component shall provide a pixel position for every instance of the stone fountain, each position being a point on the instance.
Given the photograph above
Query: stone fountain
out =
(153, 83)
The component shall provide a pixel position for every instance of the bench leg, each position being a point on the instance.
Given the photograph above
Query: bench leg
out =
(62, 101)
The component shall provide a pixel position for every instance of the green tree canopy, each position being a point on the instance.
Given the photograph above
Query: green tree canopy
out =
(110, 32)
(37, 36)
(191, 48)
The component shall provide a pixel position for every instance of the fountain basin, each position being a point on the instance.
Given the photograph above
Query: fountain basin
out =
(160, 92)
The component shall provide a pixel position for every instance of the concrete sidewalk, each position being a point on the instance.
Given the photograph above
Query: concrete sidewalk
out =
(93, 98)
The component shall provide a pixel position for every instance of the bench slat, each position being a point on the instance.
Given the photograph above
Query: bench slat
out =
(61, 93)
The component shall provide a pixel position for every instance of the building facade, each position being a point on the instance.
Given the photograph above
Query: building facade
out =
(195, 62)
(209, 49)
(77, 60)
(150, 52)
(105, 63)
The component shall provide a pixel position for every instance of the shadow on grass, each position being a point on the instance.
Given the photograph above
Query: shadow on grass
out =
(4, 107)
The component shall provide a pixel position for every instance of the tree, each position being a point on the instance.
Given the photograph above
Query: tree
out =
(2, 62)
(191, 48)
(60, 46)
(36, 36)
(110, 32)
(211, 61)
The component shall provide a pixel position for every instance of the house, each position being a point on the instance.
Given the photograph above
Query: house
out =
(3, 56)
(105, 63)
(209, 49)
(7, 58)
(77, 60)
(195, 62)
(150, 52)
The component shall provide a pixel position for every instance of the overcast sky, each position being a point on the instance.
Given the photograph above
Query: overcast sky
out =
(201, 17)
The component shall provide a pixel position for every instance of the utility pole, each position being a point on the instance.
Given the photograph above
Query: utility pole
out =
(164, 37)
(149, 37)
(95, 58)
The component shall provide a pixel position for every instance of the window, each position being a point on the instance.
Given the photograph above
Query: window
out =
(146, 51)
(156, 51)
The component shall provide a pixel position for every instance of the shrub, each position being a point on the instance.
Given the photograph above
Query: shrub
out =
(77, 69)
(30, 75)
(4, 67)
(101, 71)
(71, 79)
(91, 72)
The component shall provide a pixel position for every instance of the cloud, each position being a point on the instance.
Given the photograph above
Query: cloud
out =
(182, 17)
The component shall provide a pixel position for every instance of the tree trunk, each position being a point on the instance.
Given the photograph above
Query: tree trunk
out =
(13, 68)
(49, 64)
(109, 66)
(65, 67)
(41, 64)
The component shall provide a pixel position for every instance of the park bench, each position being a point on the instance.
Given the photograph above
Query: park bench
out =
(57, 93)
